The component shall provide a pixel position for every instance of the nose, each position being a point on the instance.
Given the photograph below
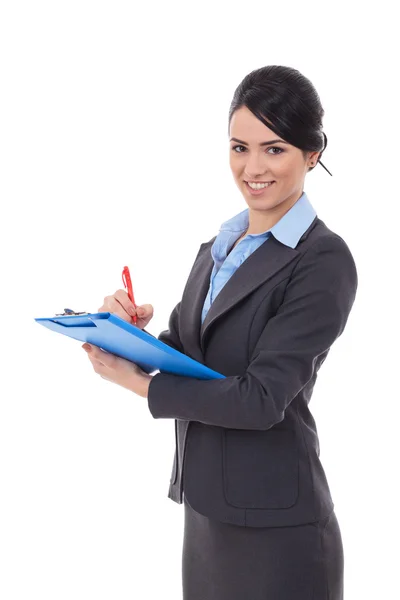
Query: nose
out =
(255, 167)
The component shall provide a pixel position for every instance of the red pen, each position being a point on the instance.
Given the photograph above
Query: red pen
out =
(126, 279)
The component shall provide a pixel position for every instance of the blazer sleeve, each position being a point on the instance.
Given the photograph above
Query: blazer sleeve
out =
(315, 308)
(170, 336)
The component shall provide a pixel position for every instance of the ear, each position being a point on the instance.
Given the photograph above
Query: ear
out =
(312, 159)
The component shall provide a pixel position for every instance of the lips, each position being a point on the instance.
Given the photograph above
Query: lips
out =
(260, 191)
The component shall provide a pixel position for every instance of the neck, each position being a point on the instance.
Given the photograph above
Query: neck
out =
(263, 220)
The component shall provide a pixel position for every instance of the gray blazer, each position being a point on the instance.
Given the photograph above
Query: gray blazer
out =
(247, 449)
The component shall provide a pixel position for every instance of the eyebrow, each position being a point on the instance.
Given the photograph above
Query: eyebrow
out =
(262, 143)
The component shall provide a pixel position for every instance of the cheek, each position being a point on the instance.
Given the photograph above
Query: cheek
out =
(235, 173)
(232, 164)
(282, 167)
(237, 166)
(287, 167)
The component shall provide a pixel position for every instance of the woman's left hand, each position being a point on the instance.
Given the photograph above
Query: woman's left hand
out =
(118, 370)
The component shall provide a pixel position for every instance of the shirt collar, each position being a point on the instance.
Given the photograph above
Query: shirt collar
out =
(287, 230)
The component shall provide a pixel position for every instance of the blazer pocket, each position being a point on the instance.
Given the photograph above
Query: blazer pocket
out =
(261, 468)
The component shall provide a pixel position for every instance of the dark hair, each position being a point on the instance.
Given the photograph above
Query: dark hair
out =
(286, 102)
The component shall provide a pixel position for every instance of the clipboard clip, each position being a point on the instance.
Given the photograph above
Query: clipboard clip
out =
(70, 312)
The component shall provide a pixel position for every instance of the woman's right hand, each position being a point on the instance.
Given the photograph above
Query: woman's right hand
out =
(120, 304)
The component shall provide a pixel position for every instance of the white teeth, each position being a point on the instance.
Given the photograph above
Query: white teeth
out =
(258, 186)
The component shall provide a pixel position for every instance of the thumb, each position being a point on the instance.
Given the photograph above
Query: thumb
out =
(145, 310)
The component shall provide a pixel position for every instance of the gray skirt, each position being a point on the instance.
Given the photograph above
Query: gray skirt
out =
(221, 561)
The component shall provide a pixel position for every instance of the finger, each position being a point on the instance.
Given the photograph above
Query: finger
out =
(115, 307)
(122, 297)
(96, 364)
(145, 311)
(97, 355)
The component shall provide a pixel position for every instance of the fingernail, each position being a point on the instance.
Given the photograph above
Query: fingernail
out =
(87, 347)
(132, 311)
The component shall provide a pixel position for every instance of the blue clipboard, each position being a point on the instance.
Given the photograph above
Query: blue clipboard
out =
(113, 334)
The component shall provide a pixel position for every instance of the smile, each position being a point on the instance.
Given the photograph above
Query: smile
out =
(258, 188)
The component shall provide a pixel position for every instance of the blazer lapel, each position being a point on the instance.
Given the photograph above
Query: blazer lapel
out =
(259, 267)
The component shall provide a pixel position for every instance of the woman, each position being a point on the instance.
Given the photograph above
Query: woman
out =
(264, 301)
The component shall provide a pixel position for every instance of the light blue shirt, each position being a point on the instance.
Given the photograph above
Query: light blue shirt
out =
(287, 230)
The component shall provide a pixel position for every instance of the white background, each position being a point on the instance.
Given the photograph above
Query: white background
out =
(114, 152)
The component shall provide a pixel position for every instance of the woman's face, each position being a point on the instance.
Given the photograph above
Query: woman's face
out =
(253, 160)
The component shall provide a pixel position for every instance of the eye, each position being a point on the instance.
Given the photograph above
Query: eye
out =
(271, 148)
(234, 148)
